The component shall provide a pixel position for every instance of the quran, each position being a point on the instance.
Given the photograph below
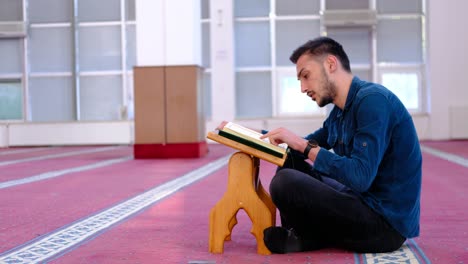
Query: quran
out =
(249, 141)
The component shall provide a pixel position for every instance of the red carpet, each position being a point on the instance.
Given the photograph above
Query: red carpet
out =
(31, 210)
(175, 229)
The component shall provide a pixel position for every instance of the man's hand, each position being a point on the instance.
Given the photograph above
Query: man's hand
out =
(282, 135)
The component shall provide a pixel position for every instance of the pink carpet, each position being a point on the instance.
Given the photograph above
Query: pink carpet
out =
(175, 229)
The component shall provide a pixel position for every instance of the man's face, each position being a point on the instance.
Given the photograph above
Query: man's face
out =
(314, 80)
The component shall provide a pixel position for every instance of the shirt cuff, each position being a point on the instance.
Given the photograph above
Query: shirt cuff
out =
(324, 161)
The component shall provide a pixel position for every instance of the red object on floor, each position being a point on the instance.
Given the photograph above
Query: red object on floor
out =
(172, 150)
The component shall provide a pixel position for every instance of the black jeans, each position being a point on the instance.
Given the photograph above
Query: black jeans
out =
(325, 213)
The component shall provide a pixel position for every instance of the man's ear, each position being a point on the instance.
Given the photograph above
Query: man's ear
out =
(331, 63)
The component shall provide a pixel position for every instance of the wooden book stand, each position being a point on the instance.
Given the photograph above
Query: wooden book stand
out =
(244, 191)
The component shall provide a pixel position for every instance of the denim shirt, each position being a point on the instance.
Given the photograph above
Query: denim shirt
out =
(376, 153)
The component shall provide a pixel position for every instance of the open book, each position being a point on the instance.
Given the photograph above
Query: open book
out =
(252, 139)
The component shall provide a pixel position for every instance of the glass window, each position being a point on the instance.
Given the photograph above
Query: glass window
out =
(205, 9)
(253, 94)
(405, 86)
(252, 44)
(292, 34)
(11, 56)
(399, 6)
(101, 98)
(292, 100)
(249, 8)
(348, 4)
(11, 10)
(52, 99)
(297, 7)
(100, 48)
(131, 47)
(50, 49)
(404, 47)
(130, 13)
(356, 43)
(102, 10)
(363, 74)
(206, 45)
(50, 11)
(130, 113)
(11, 100)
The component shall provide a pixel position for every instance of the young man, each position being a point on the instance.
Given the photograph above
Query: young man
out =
(365, 195)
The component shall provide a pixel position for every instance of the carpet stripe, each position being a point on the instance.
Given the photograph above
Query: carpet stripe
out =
(403, 255)
(51, 156)
(421, 254)
(53, 174)
(68, 237)
(446, 156)
(18, 151)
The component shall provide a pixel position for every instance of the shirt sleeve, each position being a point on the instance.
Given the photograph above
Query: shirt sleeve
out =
(370, 139)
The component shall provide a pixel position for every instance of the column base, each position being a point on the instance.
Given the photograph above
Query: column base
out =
(170, 151)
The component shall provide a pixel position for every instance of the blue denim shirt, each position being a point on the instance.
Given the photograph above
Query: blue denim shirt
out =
(376, 153)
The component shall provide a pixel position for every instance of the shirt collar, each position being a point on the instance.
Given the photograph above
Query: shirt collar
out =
(353, 89)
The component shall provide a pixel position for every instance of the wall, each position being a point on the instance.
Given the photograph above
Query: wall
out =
(448, 66)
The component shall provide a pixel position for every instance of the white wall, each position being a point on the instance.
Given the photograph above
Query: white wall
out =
(448, 69)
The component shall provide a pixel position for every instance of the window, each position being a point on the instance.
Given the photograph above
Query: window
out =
(406, 85)
(77, 68)
(266, 32)
(11, 100)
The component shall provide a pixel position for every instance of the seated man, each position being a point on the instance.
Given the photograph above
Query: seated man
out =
(365, 195)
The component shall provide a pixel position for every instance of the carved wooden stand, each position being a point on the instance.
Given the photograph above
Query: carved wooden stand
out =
(244, 191)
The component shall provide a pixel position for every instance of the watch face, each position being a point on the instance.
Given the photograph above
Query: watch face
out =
(313, 143)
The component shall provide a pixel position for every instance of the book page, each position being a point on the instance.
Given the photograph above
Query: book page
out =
(245, 131)
(251, 133)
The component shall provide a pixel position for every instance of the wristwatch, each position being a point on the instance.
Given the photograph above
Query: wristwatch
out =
(310, 144)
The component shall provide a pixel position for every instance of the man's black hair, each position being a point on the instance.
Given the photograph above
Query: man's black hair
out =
(321, 46)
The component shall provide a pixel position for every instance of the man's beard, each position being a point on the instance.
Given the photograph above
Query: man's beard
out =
(329, 90)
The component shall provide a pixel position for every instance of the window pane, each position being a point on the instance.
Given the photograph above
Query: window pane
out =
(100, 98)
(252, 42)
(355, 41)
(206, 45)
(100, 48)
(11, 100)
(130, 10)
(405, 86)
(102, 10)
(207, 94)
(205, 9)
(292, 34)
(297, 7)
(52, 99)
(11, 56)
(130, 115)
(404, 47)
(11, 10)
(50, 49)
(292, 100)
(365, 75)
(399, 6)
(50, 11)
(253, 94)
(131, 47)
(249, 8)
(348, 4)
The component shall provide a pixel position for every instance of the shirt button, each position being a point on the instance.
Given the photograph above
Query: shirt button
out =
(364, 144)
